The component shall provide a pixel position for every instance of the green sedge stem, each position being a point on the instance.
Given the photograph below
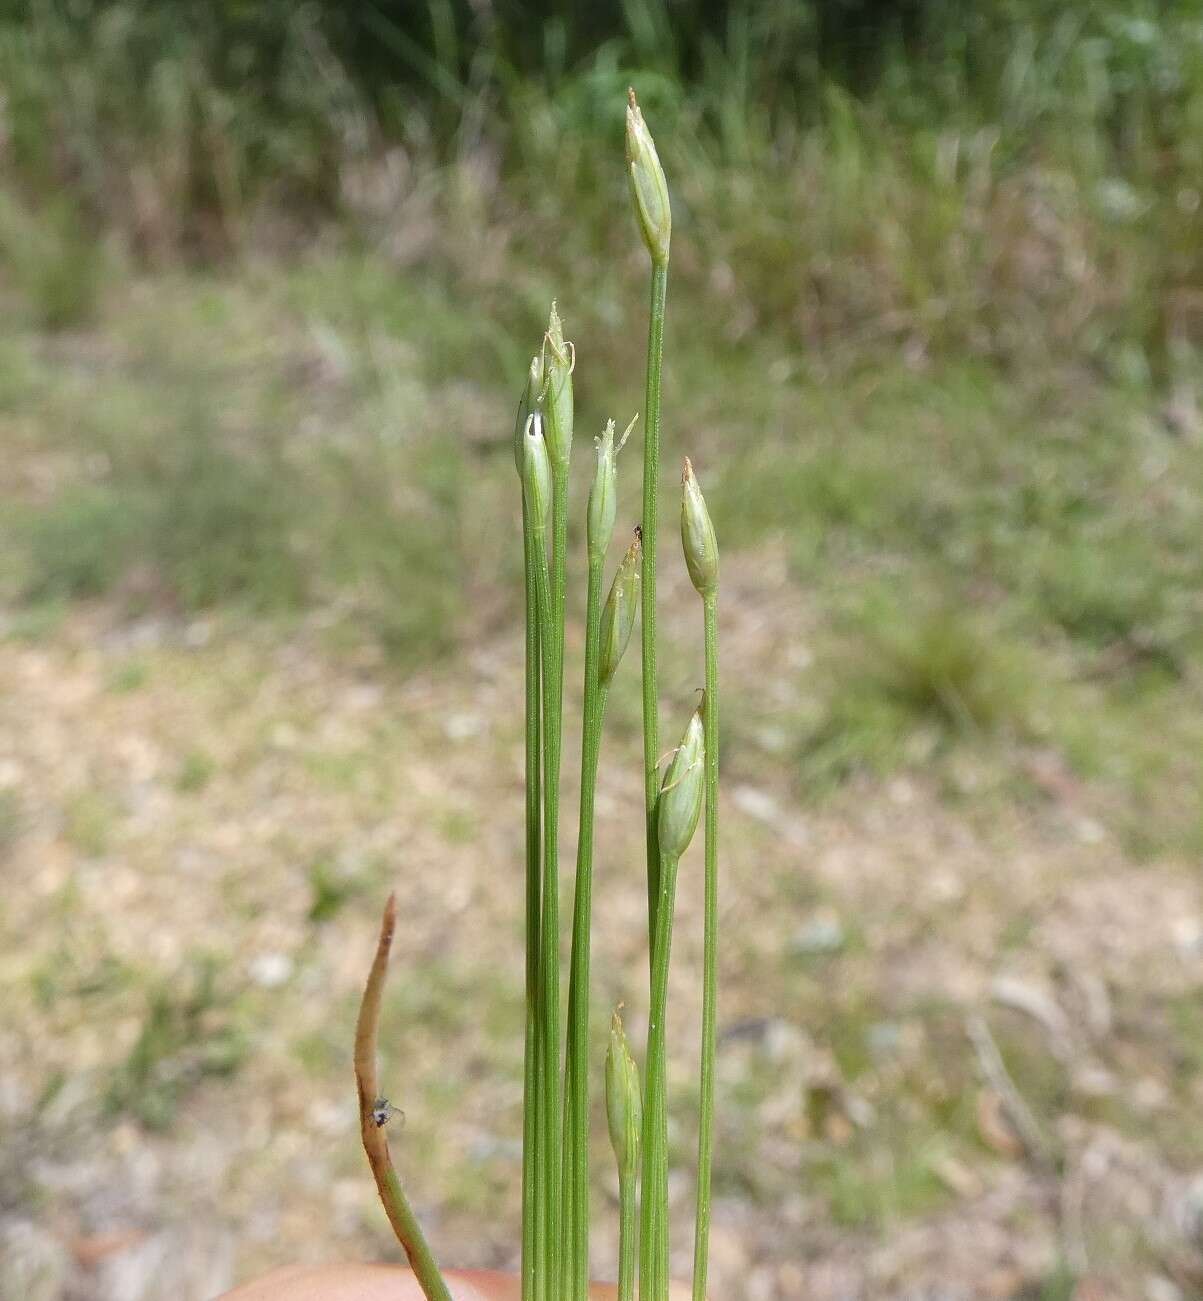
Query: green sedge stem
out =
(653, 1262)
(653, 1214)
(701, 1242)
(627, 1210)
(568, 1219)
(651, 488)
(576, 1101)
(405, 1222)
(551, 637)
(541, 1157)
(530, 1079)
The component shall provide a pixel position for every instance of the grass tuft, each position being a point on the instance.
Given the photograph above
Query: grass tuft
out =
(939, 666)
(55, 262)
(187, 1034)
(908, 679)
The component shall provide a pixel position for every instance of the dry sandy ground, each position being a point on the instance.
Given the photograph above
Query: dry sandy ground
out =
(177, 793)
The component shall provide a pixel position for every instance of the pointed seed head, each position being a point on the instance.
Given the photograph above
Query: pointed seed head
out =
(624, 1102)
(602, 496)
(681, 792)
(560, 360)
(697, 535)
(618, 614)
(649, 189)
(536, 472)
(531, 400)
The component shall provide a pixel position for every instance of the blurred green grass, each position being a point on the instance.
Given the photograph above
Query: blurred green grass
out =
(934, 341)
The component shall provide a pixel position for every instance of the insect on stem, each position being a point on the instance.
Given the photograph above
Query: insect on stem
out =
(371, 1128)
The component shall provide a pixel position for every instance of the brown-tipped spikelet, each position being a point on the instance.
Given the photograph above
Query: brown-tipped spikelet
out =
(618, 614)
(681, 791)
(649, 189)
(697, 535)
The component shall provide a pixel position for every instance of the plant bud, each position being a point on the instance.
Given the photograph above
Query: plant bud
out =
(681, 792)
(648, 186)
(531, 400)
(602, 496)
(618, 614)
(624, 1102)
(697, 535)
(561, 358)
(536, 472)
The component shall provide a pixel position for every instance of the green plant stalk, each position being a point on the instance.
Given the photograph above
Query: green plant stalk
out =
(405, 1223)
(576, 1100)
(654, 1215)
(651, 487)
(568, 1221)
(653, 1235)
(551, 638)
(531, 1082)
(627, 1210)
(539, 1191)
(701, 1241)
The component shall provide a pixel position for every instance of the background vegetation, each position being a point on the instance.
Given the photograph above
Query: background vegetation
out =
(269, 275)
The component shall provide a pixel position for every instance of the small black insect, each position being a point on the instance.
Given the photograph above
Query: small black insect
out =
(383, 1111)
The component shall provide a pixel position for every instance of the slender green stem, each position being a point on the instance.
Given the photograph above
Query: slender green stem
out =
(530, 1082)
(568, 1218)
(576, 1102)
(405, 1223)
(627, 1210)
(543, 1290)
(653, 1261)
(701, 1241)
(653, 1214)
(551, 638)
(651, 488)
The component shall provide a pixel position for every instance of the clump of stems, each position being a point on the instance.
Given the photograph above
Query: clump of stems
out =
(555, 1162)
(576, 1073)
